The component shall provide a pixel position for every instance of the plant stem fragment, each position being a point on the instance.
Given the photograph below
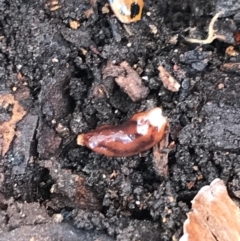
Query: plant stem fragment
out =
(211, 32)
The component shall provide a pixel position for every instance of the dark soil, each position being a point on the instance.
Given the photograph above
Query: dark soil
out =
(52, 189)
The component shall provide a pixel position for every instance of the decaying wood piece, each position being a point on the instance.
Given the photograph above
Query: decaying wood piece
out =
(128, 79)
(214, 216)
(168, 80)
(16, 112)
(160, 154)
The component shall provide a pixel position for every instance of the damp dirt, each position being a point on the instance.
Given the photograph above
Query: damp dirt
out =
(53, 55)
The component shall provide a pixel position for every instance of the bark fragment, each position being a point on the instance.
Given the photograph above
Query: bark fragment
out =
(9, 108)
(128, 79)
(214, 215)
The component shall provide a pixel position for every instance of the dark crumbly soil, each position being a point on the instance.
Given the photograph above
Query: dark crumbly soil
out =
(59, 191)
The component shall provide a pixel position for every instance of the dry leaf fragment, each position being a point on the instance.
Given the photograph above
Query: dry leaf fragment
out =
(7, 127)
(169, 82)
(214, 216)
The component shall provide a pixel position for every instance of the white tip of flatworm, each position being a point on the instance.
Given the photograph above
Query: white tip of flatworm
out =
(156, 118)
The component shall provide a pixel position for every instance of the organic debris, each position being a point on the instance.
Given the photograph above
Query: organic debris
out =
(127, 11)
(237, 37)
(70, 188)
(74, 24)
(140, 133)
(230, 51)
(89, 12)
(211, 33)
(24, 141)
(53, 5)
(15, 111)
(160, 154)
(128, 79)
(168, 80)
(231, 67)
(214, 215)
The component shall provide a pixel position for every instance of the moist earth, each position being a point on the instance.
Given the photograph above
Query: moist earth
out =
(52, 189)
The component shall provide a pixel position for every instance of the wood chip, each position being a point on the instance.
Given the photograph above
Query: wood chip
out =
(16, 112)
(214, 216)
(230, 51)
(128, 79)
(105, 9)
(168, 80)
